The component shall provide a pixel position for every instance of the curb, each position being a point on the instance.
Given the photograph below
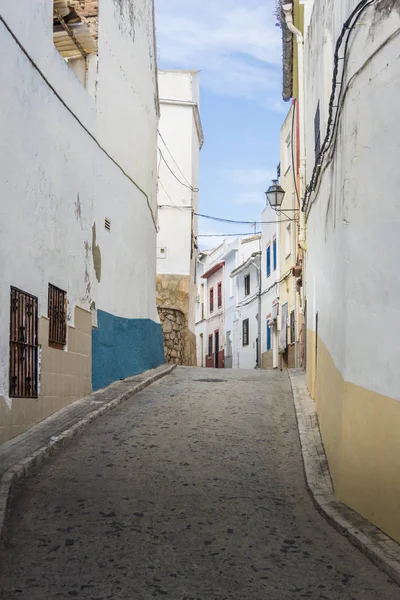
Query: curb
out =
(23, 467)
(371, 541)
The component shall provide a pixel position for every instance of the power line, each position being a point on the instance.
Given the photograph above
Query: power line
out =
(169, 197)
(333, 121)
(169, 152)
(189, 187)
(228, 234)
(77, 119)
(242, 222)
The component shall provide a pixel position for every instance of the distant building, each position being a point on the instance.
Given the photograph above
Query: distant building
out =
(270, 288)
(179, 143)
(218, 332)
(79, 206)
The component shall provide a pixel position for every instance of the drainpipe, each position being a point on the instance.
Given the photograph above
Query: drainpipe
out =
(288, 12)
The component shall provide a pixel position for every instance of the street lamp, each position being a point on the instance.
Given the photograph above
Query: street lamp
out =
(275, 195)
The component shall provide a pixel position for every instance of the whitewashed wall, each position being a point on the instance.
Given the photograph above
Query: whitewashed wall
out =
(352, 231)
(56, 183)
(246, 356)
(269, 285)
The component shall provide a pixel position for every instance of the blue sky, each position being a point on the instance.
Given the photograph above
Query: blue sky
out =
(237, 47)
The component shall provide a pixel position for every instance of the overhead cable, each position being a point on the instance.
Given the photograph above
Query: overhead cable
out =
(333, 121)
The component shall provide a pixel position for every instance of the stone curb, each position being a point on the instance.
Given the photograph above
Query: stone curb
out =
(371, 541)
(23, 467)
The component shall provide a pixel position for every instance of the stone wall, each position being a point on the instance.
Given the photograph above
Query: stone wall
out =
(268, 360)
(173, 327)
(173, 294)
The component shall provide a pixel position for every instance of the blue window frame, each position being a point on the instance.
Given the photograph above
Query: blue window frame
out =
(274, 252)
(268, 261)
(269, 346)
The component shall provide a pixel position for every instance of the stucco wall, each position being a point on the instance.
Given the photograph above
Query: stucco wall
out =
(71, 159)
(352, 241)
(179, 146)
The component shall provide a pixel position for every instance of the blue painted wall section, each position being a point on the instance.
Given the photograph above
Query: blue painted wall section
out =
(124, 347)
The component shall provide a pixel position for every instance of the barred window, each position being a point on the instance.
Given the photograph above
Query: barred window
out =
(57, 313)
(245, 337)
(23, 378)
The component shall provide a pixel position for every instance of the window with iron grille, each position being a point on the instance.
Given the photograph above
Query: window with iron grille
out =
(245, 337)
(219, 295)
(57, 313)
(317, 133)
(23, 374)
(211, 300)
(292, 331)
(210, 345)
(247, 285)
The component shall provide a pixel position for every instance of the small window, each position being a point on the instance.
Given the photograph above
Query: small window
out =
(268, 259)
(269, 342)
(247, 285)
(288, 240)
(292, 329)
(212, 300)
(275, 254)
(219, 295)
(210, 345)
(57, 313)
(23, 382)
(245, 331)
(317, 133)
(107, 224)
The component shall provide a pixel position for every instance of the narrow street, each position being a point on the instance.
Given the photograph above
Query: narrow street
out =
(192, 490)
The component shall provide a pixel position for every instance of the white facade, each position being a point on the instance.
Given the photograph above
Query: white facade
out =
(218, 265)
(246, 324)
(270, 276)
(179, 143)
(352, 282)
(73, 156)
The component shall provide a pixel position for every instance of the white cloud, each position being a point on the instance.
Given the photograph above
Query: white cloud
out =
(233, 42)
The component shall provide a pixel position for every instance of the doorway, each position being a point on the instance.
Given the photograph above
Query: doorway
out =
(216, 348)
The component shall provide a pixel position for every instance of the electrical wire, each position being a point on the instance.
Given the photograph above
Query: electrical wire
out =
(77, 119)
(169, 152)
(228, 234)
(333, 121)
(170, 199)
(220, 219)
(189, 187)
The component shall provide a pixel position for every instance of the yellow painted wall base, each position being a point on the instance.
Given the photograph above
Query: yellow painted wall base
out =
(65, 376)
(360, 430)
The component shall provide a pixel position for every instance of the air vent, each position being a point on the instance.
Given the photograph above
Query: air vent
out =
(107, 224)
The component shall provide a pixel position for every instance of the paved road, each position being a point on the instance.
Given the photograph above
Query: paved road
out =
(193, 490)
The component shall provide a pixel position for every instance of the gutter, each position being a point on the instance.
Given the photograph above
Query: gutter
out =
(199, 127)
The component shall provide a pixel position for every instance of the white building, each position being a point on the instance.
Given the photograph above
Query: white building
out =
(78, 203)
(270, 276)
(180, 140)
(352, 281)
(218, 332)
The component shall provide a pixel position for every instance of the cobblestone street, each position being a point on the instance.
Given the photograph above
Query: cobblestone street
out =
(192, 490)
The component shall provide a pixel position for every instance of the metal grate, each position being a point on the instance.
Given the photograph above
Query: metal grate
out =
(57, 313)
(23, 381)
